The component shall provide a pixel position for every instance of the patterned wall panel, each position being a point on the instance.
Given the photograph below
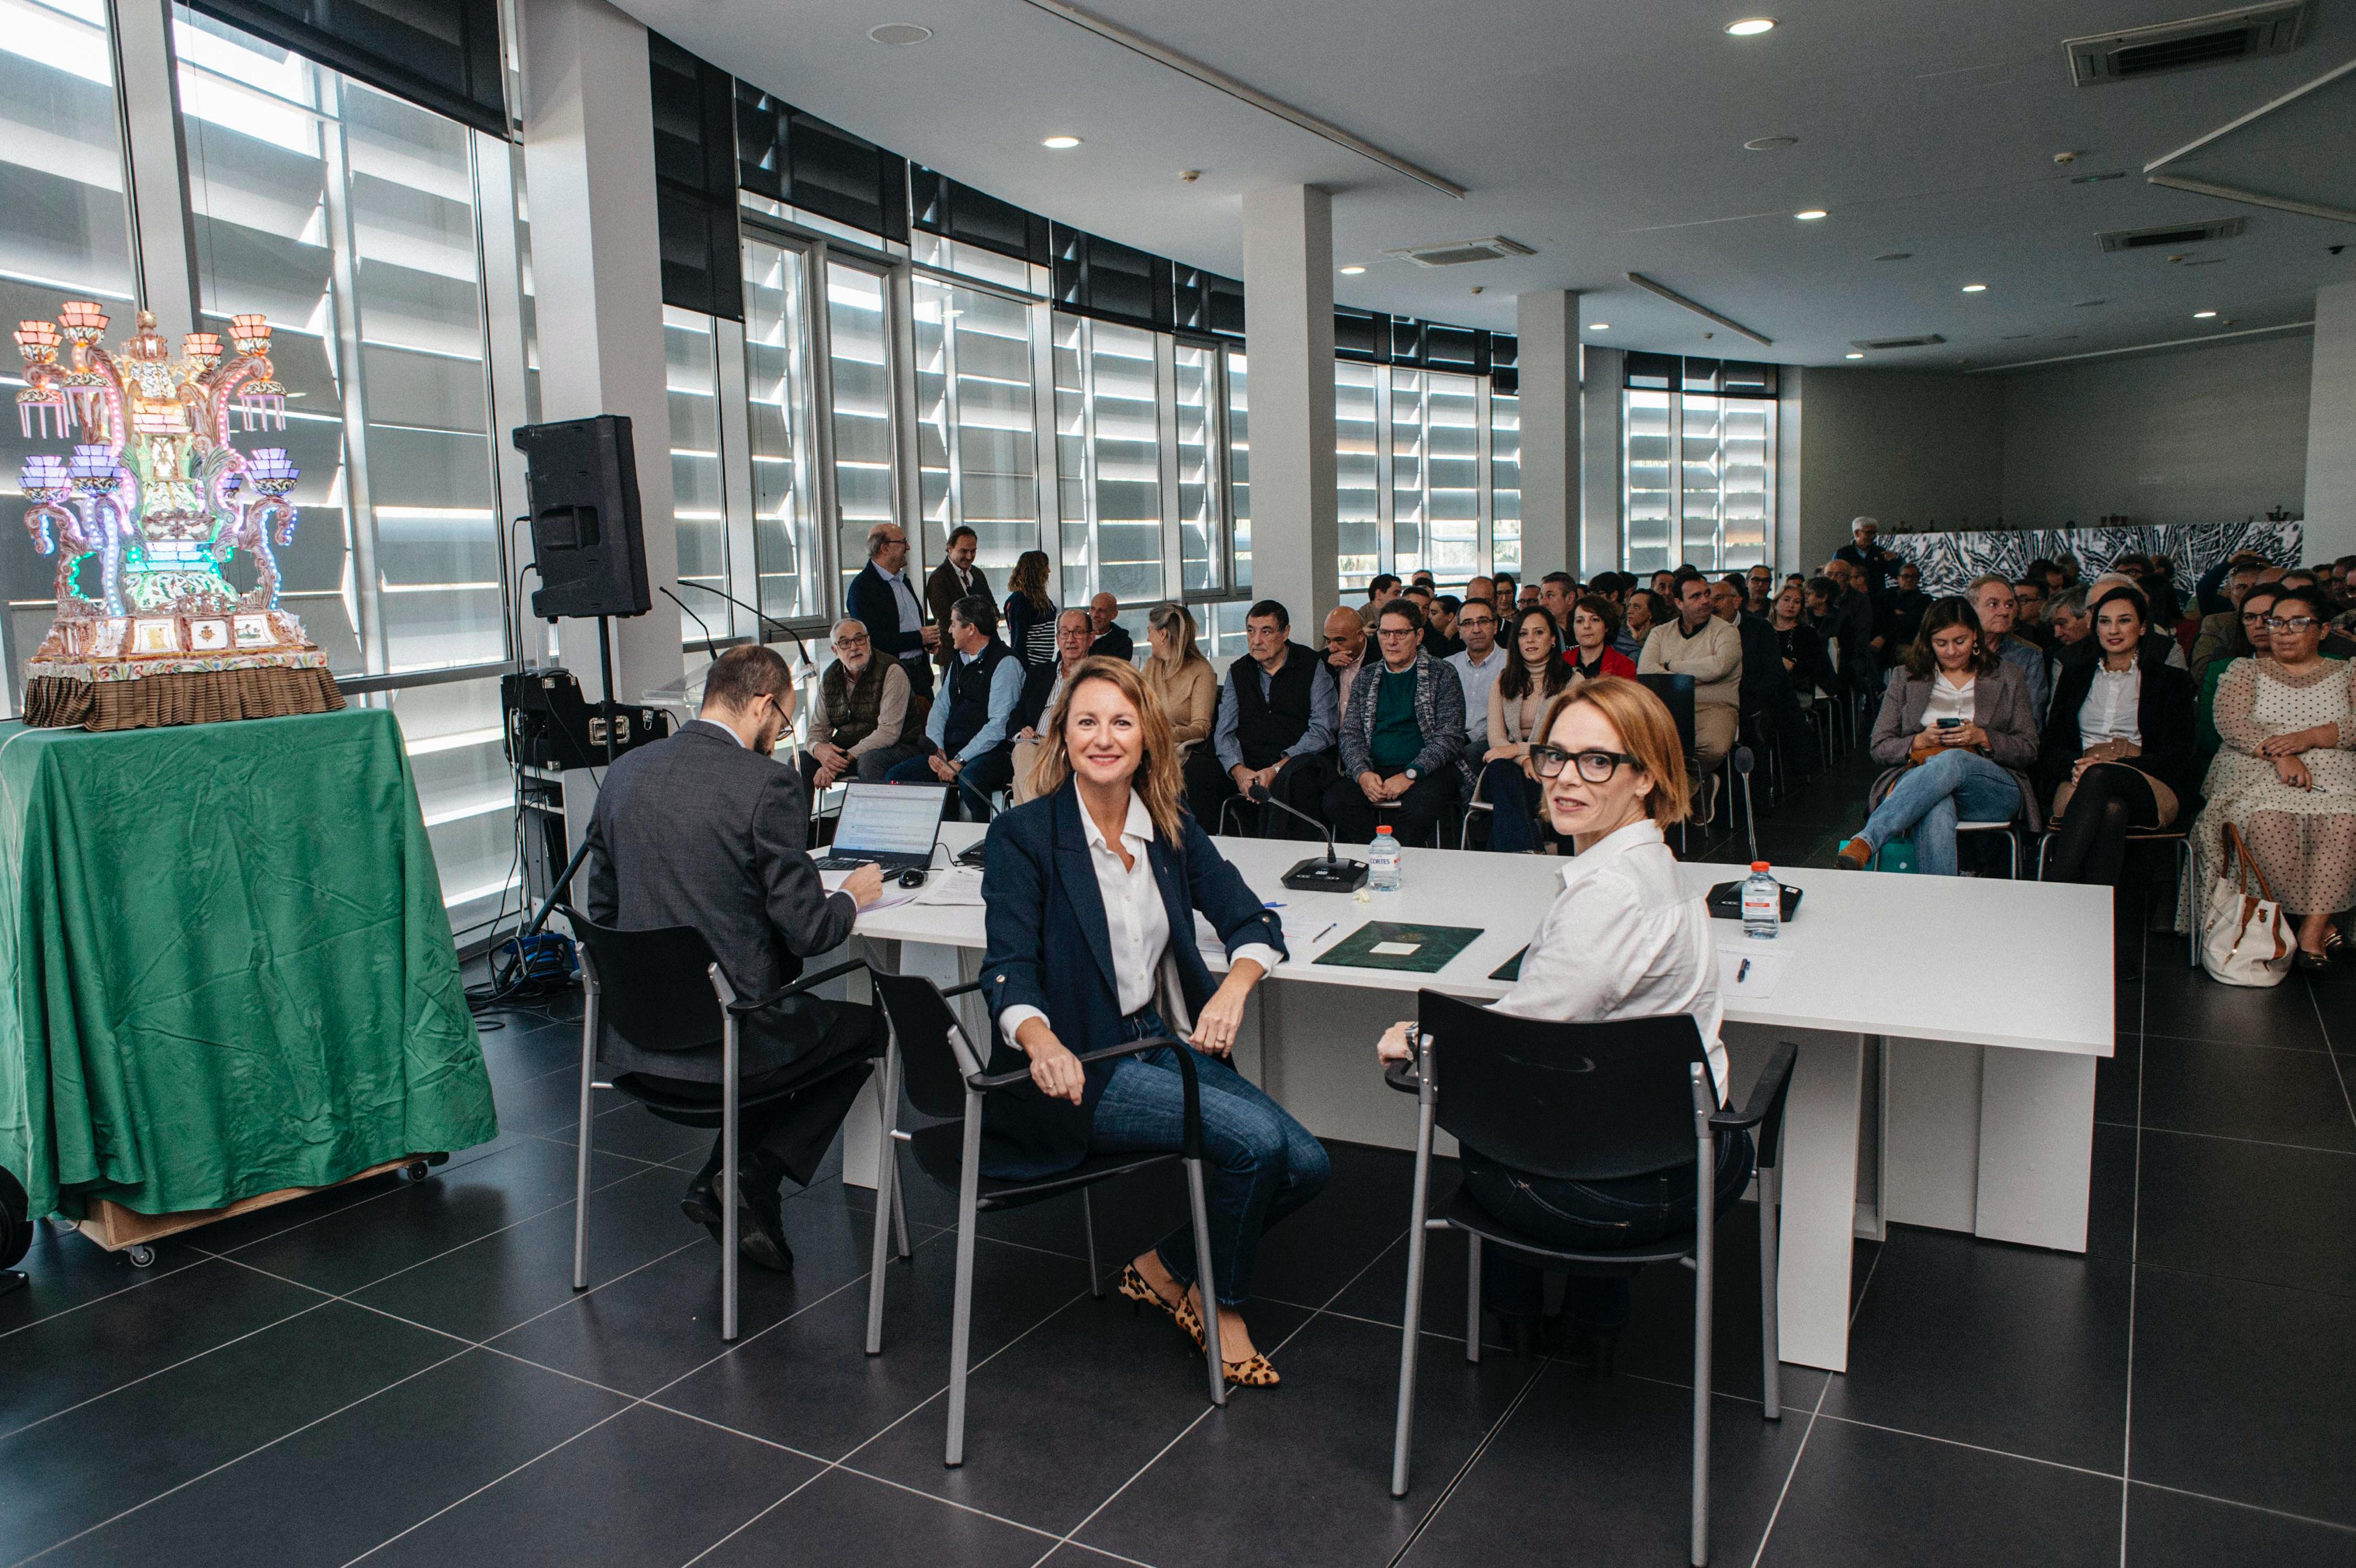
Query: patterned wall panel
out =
(1948, 561)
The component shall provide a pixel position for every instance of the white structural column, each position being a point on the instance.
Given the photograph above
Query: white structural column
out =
(1546, 324)
(2332, 427)
(155, 159)
(589, 164)
(1289, 284)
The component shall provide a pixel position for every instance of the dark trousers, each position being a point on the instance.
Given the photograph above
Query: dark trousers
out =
(1590, 1216)
(1300, 784)
(2090, 843)
(1514, 805)
(790, 1135)
(983, 777)
(1410, 817)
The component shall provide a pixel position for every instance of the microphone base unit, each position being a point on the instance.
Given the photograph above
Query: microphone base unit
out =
(1320, 875)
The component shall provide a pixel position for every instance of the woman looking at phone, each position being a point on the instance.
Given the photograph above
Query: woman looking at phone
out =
(1956, 734)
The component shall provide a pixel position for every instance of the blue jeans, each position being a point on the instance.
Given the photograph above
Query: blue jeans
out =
(1513, 798)
(1953, 786)
(1589, 1216)
(1258, 1164)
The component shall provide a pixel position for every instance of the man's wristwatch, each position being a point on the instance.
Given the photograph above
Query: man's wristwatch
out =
(1412, 775)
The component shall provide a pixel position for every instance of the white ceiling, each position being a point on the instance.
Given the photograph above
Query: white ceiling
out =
(1609, 135)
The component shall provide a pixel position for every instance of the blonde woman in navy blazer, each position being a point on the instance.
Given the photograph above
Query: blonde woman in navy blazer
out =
(1090, 894)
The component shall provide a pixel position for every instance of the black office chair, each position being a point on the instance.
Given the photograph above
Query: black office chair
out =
(1676, 691)
(1585, 1102)
(944, 1079)
(663, 991)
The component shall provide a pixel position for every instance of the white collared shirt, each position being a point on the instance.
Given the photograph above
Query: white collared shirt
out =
(1948, 700)
(716, 724)
(1477, 676)
(1623, 940)
(1135, 919)
(912, 609)
(2113, 709)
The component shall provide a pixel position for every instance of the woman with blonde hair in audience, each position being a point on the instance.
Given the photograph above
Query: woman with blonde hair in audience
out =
(1535, 674)
(1626, 938)
(1956, 734)
(1177, 673)
(2286, 780)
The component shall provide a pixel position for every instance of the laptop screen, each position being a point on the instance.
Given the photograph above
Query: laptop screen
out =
(888, 819)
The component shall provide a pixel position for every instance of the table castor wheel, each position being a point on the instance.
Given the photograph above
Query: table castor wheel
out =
(141, 1256)
(416, 1170)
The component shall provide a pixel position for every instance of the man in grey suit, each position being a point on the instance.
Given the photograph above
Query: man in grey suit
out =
(707, 829)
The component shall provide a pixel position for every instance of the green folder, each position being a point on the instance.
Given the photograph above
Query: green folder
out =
(1511, 969)
(1390, 944)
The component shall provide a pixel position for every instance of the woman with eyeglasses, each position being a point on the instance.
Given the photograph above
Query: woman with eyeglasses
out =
(1534, 675)
(1956, 736)
(2285, 779)
(1624, 939)
(2118, 755)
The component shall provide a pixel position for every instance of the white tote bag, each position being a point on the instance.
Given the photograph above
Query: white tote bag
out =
(2243, 942)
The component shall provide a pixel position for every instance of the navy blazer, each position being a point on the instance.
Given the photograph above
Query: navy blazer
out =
(871, 602)
(1050, 948)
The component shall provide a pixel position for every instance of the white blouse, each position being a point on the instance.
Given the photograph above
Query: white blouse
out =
(2111, 711)
(1135, 918)
(1623, 940)
(1948, 701)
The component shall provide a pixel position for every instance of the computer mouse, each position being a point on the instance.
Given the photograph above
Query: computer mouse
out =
(911, 877)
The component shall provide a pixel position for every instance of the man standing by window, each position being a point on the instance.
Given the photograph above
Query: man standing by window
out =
(1875, 566)
(954, 579)
(882, 600)
(1402, 734)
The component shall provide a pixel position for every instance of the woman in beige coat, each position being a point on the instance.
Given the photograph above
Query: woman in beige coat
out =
(1179, 674)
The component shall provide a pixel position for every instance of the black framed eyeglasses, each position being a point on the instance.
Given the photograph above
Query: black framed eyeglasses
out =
(1595, 767)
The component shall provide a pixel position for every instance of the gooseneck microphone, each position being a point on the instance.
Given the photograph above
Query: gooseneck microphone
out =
(1330, 875)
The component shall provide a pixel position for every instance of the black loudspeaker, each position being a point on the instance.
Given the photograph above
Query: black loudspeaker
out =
(16, 1229)
(587, 539)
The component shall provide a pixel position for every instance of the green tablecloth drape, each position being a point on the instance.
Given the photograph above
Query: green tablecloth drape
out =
(228, 969)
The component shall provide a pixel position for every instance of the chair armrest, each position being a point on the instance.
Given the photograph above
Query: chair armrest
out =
(961, 991)
(1765, 1109)
(761, 1003)
(1406, 1077)
(1185, 1053)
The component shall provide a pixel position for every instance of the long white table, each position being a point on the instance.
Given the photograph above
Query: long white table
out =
(1948, 1030)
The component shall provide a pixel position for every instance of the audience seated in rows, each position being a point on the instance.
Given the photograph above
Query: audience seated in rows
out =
(1700, 644)
(1957, 735)
(2284, 781)
(1276, 719)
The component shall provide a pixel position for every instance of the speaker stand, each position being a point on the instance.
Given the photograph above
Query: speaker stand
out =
(581, 850)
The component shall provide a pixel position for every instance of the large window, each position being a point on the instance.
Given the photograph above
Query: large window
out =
(977, 429)
(1425, 471)
(1239, 464)
(699, 499)
(1109, 456)
(777, 382)
(1699, 464)
(64, 234)
(859, 360)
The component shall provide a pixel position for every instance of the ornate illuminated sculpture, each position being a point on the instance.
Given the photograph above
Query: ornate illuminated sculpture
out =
(143, 516)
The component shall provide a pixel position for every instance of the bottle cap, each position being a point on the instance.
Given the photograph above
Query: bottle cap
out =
(1758, 865)
(1384, 831)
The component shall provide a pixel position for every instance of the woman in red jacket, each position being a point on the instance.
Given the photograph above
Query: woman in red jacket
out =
(1594, 622)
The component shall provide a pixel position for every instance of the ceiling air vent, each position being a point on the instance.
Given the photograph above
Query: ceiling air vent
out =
(1456, 252)
(2218, 38)
(1925, 341)
(2174, 234)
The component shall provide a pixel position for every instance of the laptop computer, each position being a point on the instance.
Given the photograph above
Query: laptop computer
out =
(893, 826)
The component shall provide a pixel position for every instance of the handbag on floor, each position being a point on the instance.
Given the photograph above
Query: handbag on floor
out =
(2244, 942)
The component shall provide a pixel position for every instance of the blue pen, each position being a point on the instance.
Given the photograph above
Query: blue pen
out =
(1742, 973)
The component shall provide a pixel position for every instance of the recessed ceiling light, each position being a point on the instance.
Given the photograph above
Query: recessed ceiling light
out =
(2202, 315)
(900, 33)
(1975, 288)
(1598, 326)
(1751, 27)
(1853, 355)
(1811, 215)
(1352, 271)
(1061, 142)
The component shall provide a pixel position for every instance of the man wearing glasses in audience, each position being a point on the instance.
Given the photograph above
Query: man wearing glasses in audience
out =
(1402, 734)
(865, 719)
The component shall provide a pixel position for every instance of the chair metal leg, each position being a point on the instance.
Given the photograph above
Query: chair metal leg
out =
(729, 1093)
(887, 1184)
(1472, 1298)
(2192, 896)
(1705, 1258)
(580, 1153)
(1206, 1283)
(1089, 1223)
(961, 1320)
(1771, 1335)
(1411, 1319)
(899, 1207)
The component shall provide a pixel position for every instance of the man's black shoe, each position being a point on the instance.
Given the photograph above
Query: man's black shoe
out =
(760, 1224)
(702, 1202)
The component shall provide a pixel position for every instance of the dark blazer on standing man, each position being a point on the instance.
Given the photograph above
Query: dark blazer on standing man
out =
(1050, 948)
(873, 603)
(698, 831)
(943, 590)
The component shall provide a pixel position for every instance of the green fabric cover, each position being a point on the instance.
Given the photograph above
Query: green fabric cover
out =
(229, 968)
(1398, 739)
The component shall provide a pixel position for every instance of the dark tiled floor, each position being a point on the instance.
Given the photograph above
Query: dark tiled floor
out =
(398, 1372)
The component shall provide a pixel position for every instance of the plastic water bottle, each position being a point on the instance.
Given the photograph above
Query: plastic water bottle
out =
(1382, 862)
(1762, 904)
